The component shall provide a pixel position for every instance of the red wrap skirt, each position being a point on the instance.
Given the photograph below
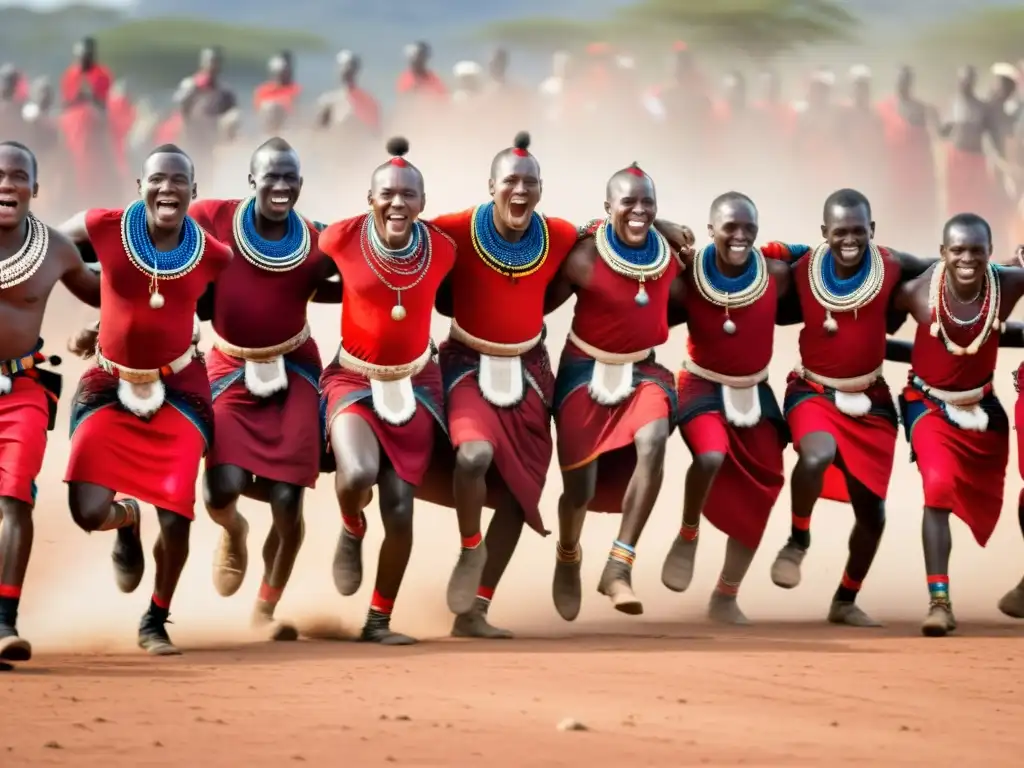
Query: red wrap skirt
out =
(25, 414)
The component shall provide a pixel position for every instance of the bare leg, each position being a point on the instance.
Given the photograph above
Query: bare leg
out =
(578, 486)
(16, 533)
(279, 553)
(938, 543)
(817, 452)
(170, 553)
(677, 573)
(396, 504)
(869, 513)
(641, 493)
(222, 486)
(1012, 603)
(502, 537)
(469, 485)
(93, 509)
(357, 455)
(723, 607)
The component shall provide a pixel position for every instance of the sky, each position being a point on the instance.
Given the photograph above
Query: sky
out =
(50, 4)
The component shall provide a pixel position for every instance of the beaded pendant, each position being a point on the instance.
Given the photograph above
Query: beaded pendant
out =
(272, 255)
(989, 311)
(514, 260)
(837, 295)
(730, 292)
(640, 264)
(25, 262)
(160, 265)
(409, 263)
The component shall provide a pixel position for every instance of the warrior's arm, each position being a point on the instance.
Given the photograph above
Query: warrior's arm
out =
(564, 284)
(679, 236)
(204, 307)
(1011, 286)
(911, 266)
(898, 351)
(443, 301)
(1012, 335)
(677, 302)
(328, 284)
(74, 228)
(77, 276)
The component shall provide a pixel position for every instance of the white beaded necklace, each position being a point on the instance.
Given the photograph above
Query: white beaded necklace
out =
(20, 267)
(859, 297)
(936, 305)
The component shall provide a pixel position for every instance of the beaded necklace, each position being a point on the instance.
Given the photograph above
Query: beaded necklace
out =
(25, 262)
(514, 260)
(850, 294)
(640, 264)
(730, 292)
(410, 261)
(166, 265)
(272, 255)
(940, 310)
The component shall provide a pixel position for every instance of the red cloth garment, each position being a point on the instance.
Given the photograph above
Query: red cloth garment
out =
(961, 470)
(409, 447)
(24, 418)
(427, 83)
(155, 461)
(271, 92)
(971, 187)
(911, 165)
(483, 297)
(589, 431)
(98, 78)
(520, 435)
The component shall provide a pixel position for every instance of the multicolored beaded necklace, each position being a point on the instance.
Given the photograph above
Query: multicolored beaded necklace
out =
(730, 292)
(25, 262)
(850, 294)
(640, 264)
(410, 261)
(940, 311)
(514, 260)
(272, 255)
(160, 265)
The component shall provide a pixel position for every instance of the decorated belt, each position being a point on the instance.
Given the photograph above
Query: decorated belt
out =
(608, 358)
(145, 375)
(21, 364)
(384, 372)
(952, 397)
(851, 385)
(263, 354)
(736, 382)
(492, 348)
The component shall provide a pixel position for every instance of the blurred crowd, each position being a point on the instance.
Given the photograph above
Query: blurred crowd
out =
(696, 134)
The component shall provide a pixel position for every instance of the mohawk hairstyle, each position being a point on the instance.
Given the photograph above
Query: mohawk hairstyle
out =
(633, 170)
(520, 148)
(398, 148)
(21, 147)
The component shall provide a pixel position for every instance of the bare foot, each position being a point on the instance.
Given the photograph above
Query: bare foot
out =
(348, 563)
(616, 583)
(232, 559)
(677, 572)
(786, 568)
(465, 579)
(566, 589)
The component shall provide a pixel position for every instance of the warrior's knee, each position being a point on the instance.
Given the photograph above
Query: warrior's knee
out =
(88, 510)
(14, 513)
(174, 528)
(286, 498)
(474, 458)
(817, 460)
(650, 447)
(708, 464)
(222, 486)
(872, 517)
(397, 517)
(356, 475)
(579, 491)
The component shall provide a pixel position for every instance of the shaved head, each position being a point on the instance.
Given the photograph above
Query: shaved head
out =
(730, 200)
(272, 146)
(628, 179)
(172, 149)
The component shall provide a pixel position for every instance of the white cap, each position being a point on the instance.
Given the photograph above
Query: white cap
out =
(824, 76)
(467, 69)
(1003, 69)
(860, 72)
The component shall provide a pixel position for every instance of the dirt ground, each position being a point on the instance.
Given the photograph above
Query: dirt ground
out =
(658, 690)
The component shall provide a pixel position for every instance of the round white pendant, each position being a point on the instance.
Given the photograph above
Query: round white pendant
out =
(156, 300)
(729, 326)
(398, 313)
(641, 297)
(831, 326)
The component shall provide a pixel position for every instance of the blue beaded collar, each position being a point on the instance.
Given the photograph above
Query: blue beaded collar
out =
(511, 259)
(644, 256)
(839, 286)
(166, 265)
(274, 255)
(724, 283)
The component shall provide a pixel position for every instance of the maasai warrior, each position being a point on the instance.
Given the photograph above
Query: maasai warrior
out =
(498, 376)
(85, 69)
(264, 371)
(910, 161)
(143, 417)
(349, 108)
(382, 395)
(418, 78)
(969, 185)
(838, 406)
(613, 403)
(33, 258)
(957, 428)
(281, 87)
(728, 414)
